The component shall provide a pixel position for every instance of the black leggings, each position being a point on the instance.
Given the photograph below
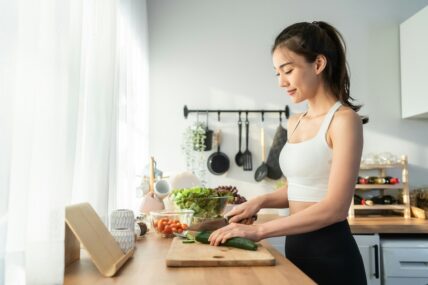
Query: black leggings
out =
(328, 256)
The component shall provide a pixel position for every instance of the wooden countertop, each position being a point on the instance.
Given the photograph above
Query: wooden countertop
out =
(388, 225)
(376, 224)
(148, 264)
(148, 267)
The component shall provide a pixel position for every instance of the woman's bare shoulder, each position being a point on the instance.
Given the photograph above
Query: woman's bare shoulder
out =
(347, 114)
(346, 120)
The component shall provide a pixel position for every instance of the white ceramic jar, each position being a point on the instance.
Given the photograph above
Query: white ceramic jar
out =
(125, 238)
(122, 218)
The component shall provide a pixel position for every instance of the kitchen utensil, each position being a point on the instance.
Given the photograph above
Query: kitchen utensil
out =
(208, 224)
(248, 160)
(162, 189)
(152, 167)
(197, 254)
(212, 224)
(279, 140)
(262, 170)
(239, 156)
(150, 202)
(182, 235)
(218, 162)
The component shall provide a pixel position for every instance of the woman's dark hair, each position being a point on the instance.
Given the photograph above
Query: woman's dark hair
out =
(312, 39)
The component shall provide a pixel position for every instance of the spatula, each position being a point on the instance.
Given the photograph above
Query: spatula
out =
(248, 160)
(239, 156)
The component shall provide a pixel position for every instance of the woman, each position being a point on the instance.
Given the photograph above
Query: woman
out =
(321, 160)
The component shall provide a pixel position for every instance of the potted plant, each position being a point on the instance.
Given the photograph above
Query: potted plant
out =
(193, 146)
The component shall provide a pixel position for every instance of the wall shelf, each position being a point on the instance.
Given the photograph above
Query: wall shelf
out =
(380, 207)
(379, 186)
(404, 186)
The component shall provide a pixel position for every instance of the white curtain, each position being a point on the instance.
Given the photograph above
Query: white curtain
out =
(132, 108)
(71, 123)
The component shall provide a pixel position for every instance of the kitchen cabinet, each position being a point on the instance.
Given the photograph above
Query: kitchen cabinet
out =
(369, 246)
(413, 63)
(404, 186)
(405, 261)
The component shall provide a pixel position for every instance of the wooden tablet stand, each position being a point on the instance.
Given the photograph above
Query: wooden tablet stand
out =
(84, 226)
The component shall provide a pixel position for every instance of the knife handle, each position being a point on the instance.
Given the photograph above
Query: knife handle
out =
(254, 217)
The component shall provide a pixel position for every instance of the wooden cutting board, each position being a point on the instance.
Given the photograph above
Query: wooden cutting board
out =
(197, 254)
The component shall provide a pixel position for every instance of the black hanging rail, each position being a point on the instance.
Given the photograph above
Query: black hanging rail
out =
(286, 111)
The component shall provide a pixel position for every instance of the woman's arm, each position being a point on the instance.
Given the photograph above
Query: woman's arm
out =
(276, 199)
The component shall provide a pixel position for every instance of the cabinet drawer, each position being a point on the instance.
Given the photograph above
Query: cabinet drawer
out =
(405, 281)
(405, 262)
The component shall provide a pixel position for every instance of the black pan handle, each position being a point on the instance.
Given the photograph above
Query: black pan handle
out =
(240, 132)
(247, 127)
(376, 249)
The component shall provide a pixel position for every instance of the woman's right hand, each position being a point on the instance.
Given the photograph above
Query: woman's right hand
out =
(244, 213)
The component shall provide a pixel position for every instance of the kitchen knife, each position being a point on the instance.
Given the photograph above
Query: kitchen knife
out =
(213, 224)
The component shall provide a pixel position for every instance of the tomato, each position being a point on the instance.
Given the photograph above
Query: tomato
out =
(161, 228)
(184, 226)
(179, 230)
(167, 230)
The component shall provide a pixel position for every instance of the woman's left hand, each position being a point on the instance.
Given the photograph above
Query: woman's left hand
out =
(234, 230)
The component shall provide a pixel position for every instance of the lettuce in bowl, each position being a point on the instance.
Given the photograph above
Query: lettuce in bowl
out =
(205, 202)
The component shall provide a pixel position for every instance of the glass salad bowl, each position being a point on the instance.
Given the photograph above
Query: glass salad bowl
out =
(166, 222)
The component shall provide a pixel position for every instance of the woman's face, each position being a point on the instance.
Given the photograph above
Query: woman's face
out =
(300, 78)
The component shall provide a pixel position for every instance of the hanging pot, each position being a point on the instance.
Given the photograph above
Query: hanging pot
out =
(218, 162)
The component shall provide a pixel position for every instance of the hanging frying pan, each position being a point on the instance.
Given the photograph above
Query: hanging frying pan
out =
(218, 162)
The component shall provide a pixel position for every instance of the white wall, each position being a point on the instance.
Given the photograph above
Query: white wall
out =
(216, 54)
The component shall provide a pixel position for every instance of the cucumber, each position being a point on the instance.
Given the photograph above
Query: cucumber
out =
(237, 242)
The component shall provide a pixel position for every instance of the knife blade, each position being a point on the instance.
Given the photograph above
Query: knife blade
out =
(213, 224)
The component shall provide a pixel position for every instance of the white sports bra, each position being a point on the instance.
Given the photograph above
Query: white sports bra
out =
(307, 164)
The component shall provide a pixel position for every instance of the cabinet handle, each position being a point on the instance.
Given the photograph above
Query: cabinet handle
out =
(376, 249)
